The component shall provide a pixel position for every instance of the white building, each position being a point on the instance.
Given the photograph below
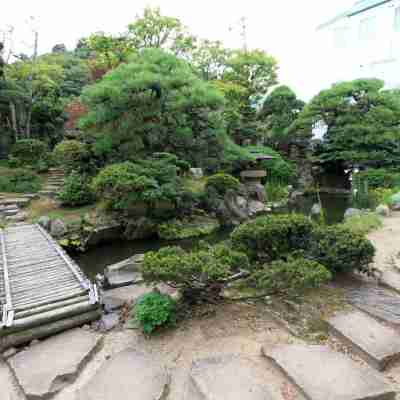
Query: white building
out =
(363, 42)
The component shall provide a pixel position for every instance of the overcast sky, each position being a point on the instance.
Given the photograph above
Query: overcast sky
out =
(285, 29)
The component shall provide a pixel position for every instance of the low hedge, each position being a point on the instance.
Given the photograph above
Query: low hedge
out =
(19, 181)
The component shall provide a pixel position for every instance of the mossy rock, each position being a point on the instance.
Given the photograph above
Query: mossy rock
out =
(188, 228)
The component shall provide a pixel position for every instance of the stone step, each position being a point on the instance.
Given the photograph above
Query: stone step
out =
(51, 187)
(377, 302)
(11, 212)
(323, 374)
(390, 279)
(59, 181)
(19, 201)
(372, 341)
(47, 193)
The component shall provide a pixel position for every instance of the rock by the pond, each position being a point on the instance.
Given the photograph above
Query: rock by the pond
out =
(107, 322)
(383, 210)
(352, 212)
(257, 207)
(46, 368)
(228, 377)
(390, 279)
(395, 202)
(126, 376)
(20, 217)
(45, 222)
(9, 389)
(104, 233)
(10, 352)
(376, 302)
(323, 374)
(373, 341)
(196, 173)
(316, 210)
(58, 228)
(124, 273)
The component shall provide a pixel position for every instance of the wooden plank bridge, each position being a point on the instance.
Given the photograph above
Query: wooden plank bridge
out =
(39, 282)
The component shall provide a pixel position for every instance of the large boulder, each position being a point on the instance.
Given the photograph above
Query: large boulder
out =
(58, 228)
(141, 228)
(352, 212)
(196, 173)
(126, 376)
(44, 221)
(383, 210)
(124, 273)
(316, 210)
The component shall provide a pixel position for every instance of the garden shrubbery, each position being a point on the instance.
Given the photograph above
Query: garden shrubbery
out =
(222, 183)
(272, 237)
(19, 181)
(29, 151)
(76, 191)
(380, 178)
(154, 310)
(72, 155)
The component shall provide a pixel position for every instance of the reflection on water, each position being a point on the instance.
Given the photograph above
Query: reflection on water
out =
(96, 259)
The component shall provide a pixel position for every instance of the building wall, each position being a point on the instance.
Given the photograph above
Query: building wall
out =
(366, 45)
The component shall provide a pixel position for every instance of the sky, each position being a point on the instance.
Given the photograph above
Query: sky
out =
(285, 29)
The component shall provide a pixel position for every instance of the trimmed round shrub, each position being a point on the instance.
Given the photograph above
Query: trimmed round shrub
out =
(29, 151)
(272, 237)
(76, 191)
(291, 276)
(71, 154)
(154, 310)
(341, 250)
(20, 181)
(222, 183)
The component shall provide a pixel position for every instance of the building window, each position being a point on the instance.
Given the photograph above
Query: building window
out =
(397, 19)
(367, 29)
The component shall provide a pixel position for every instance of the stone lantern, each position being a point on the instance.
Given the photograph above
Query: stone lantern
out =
(252, 177)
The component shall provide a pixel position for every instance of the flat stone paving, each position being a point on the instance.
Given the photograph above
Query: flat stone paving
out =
(228, 377)
(390, 279)
(128, 375)
(376, 302)
(323, 374)
(375, 343)
(47, 367)
(8, 387)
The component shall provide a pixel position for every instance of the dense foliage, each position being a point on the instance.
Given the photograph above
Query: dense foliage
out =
(29, 151)
(154, 310)
(272, 237)
(19, 181)
(76, 191)
(222, 183)
(361, 120)
(72, 155)
(380, 178)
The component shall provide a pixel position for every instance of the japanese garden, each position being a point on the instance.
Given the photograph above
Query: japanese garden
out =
(215, 220)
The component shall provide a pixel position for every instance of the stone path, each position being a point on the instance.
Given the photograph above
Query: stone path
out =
(54, 183)
(11, 208)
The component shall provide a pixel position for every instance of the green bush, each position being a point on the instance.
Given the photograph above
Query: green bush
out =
(363, 223)
(291, 276)
(29, 151)
(272, 237)
(128, 184)
(19, 181)
(380, 178)
(198, 274)
(71, 154)
(154, 310)
(76, 191)
(222, 183)
(341, 250)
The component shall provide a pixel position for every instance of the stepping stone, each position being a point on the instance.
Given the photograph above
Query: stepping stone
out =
(46, 368)
(390, 279)
(323, 374)
(376, 302)
(21, 201)
(126, 376)
(8, 386)
(227, 377)
(374, 342)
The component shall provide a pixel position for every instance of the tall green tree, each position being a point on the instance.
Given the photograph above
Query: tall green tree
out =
(361, 121)
(280, 109)
(155, 103)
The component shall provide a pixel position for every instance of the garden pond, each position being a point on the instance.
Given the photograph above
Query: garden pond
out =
(96, 259)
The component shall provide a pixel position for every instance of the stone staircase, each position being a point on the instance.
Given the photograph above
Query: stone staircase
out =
(11, 208)
(54, 183)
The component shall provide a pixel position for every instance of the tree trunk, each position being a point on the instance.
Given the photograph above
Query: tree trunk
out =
(28, 124)
(14, 120)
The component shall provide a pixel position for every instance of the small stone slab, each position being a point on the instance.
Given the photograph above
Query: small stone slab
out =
(376, 302)
(390, 279)
(374, 342)
(323, 374)
(126, 376)
(49, 366)
(227, 377)
(20, 201)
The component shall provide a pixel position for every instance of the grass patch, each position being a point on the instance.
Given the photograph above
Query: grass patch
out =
(195, 185)
(364, 223)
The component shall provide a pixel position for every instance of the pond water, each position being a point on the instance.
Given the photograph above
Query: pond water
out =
(95, 260)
